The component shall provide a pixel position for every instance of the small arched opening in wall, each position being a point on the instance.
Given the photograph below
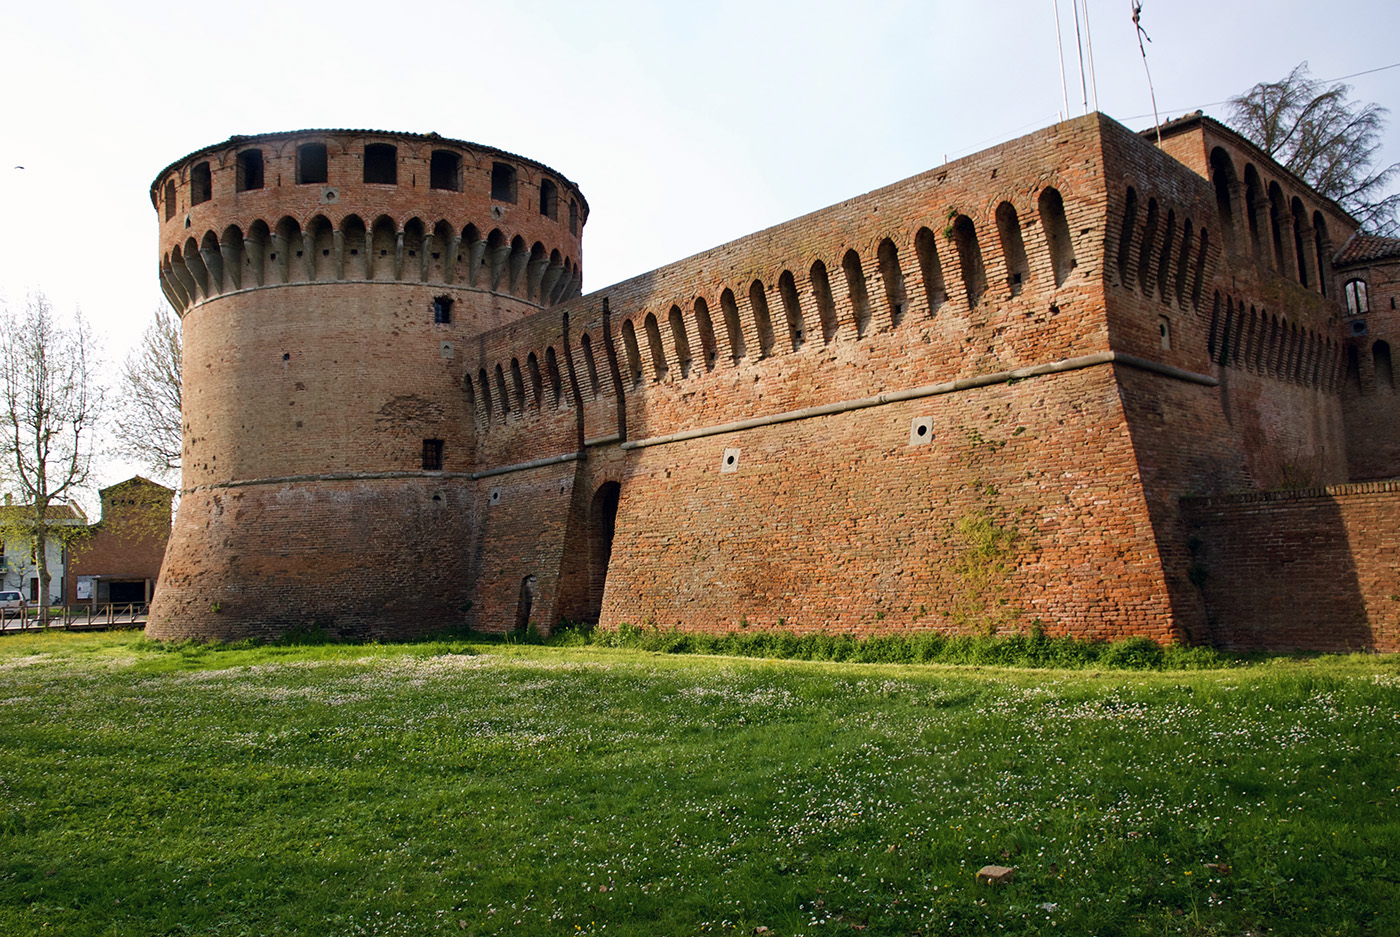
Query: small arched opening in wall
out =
(1164, 258)
(525, 605)
(502, 395)
(354, 234)
(1380, 358)
(1013, 247)
(381, 164)
(974, 274)
(518, 382)
(1057, 237)
(855, 288)
(1253, 205)
(485, 386)
(532, 367)
(1184, 259)
(201, 183)
(445, 171)
(634, 353)
(734, 331)
(893, 278)
(931, 269)
(248, 173)
(826, 306)
(602, 525)
(1278, 211)
(1222, 177)
(313, 164)
(1300, 239)
(705, 328)
(792, 309)
(1149, 238)
(680, 341)
(1322, 246)
(590, 362)
(1125, 238)
(556, 382)
(763, 320)
(658, 353)
(549, 200)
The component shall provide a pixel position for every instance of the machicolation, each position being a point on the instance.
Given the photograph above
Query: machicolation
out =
(1049, 382)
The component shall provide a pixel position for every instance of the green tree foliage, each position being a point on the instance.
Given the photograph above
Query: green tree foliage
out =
(1326, 139)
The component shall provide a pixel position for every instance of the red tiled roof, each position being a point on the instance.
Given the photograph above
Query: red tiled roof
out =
(1367, 247)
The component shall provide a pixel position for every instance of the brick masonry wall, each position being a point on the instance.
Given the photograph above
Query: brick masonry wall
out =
(1053, 497)
(1316, 569)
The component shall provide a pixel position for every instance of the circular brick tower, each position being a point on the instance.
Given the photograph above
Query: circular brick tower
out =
(330, 283)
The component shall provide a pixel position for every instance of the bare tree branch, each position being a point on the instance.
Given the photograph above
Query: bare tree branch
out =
(52, 402)
(1326, 140)
(150, 410)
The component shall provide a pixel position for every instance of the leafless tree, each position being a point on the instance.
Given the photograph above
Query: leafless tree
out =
(150, 408)
(52, 404)
(1330, 142)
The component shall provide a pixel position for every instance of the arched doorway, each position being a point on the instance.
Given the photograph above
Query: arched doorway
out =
(525, 605)
(602, 523)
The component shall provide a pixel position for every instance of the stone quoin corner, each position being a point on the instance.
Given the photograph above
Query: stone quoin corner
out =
(1075, 379)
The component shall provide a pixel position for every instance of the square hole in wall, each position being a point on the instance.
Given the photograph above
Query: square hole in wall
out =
(920, 430)
(729, 462)
(495, 497)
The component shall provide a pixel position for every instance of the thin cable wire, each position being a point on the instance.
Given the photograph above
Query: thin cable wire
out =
(1060, 46)
(1325, 81)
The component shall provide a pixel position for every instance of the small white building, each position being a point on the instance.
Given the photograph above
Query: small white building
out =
(19, 568)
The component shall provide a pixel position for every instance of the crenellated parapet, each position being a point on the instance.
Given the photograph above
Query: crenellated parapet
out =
(333, 206)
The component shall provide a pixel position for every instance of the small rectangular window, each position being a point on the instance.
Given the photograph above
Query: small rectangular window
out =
(250, 170)
(432, 455)
(549, 200)
(381, 164)
(442, 309)
(312, 164)
(201, 184)
(445, 171)
(573, 217)
(503, 182)
(170, 199)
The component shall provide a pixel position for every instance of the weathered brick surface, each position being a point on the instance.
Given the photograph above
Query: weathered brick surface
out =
(1178, 354)
(1314, 569)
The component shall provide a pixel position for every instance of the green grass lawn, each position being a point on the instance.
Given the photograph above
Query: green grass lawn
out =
(491, 789)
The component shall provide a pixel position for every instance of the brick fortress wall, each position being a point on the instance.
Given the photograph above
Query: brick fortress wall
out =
(967, 401)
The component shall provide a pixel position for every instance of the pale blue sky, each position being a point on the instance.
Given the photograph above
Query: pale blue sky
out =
(685, 125)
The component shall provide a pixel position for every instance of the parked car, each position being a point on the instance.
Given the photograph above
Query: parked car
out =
(11, 604)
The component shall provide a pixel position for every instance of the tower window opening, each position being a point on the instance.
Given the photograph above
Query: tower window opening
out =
(432, 455)
(381, 164)
(442, 310)
(313, 166)
(1357, 302)
(503, 182)
(573, 217)
(169, 199)
(201, 184)
(445, 171)
(549, 200)
(250, 170)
